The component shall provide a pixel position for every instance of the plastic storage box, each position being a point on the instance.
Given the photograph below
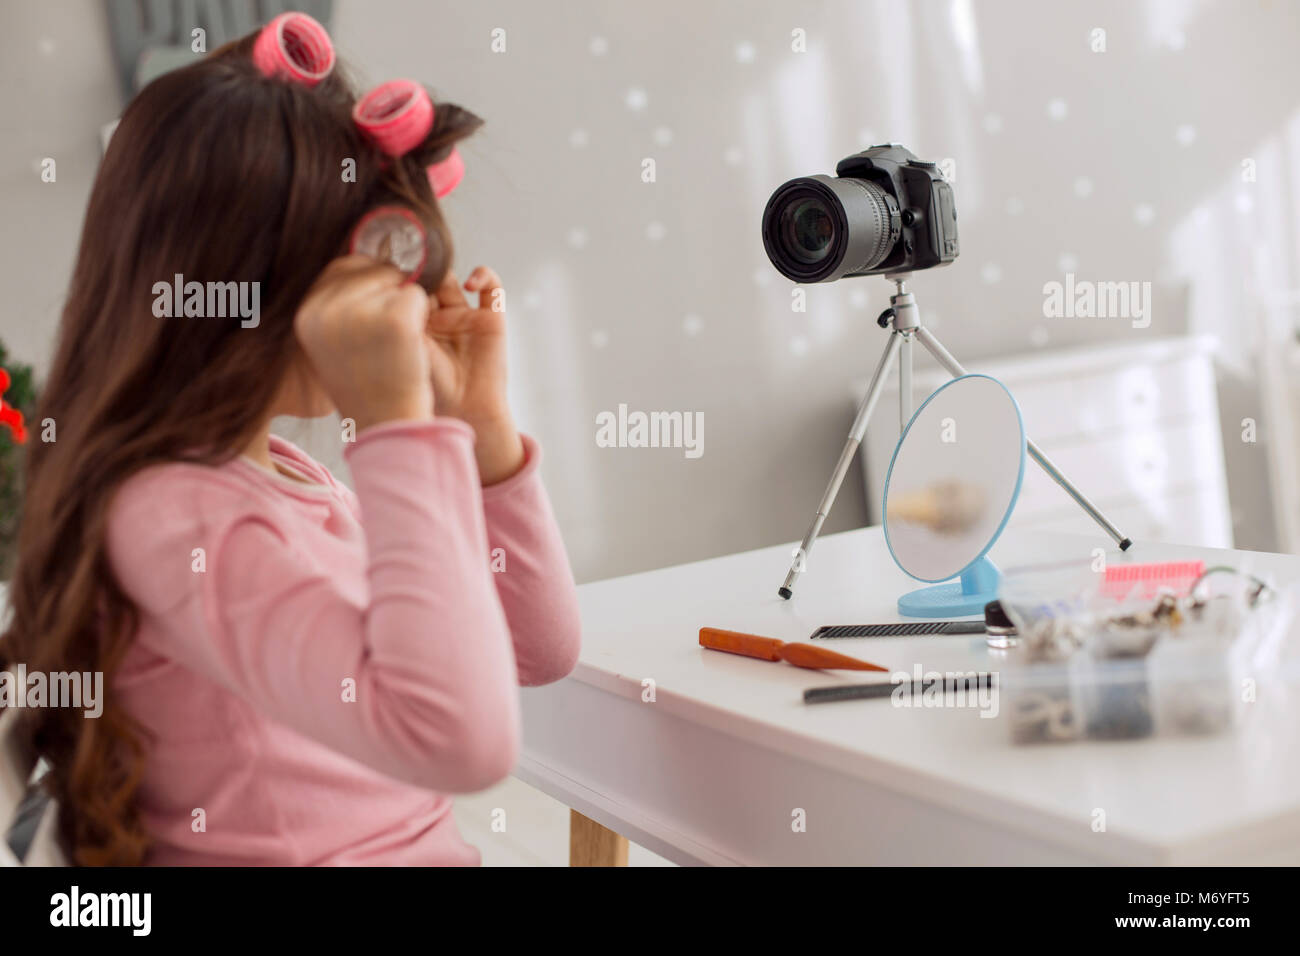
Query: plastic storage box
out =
(1093, 664)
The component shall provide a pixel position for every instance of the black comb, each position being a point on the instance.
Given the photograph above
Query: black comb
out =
(901, 629)
(967, 683)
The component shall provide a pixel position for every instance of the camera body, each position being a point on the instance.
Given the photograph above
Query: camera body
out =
(884, 211)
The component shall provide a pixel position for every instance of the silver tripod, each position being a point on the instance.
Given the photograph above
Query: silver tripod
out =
(905, 318)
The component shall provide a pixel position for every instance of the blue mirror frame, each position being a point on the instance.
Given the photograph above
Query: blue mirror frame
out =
(977, 583)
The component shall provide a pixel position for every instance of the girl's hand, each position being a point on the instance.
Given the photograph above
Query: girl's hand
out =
(362, 328)
(466, 349)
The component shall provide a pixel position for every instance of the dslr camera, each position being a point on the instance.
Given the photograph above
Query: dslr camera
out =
(884, 212)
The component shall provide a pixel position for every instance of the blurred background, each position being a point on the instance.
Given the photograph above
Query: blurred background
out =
(1154, 141)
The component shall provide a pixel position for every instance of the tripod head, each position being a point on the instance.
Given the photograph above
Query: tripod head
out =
(902, 313)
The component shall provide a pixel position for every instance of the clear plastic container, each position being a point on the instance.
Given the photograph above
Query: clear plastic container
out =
(1039, 692)
(1050, 604)
(1088, 666)
(1040, 703)
(1199, 685)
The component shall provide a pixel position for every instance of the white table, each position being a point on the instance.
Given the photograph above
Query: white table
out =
(713, 770)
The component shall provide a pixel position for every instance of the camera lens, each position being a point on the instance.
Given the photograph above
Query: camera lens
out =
(819, 228)
(808, 229)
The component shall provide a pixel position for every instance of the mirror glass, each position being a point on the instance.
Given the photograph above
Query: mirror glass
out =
(954, 478)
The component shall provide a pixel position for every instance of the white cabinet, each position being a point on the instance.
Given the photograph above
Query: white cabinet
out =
(1135, 429)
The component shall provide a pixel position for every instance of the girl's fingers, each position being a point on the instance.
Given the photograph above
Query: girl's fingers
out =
(448, 293)
(347, 281)
(486, 282)
(480, 276)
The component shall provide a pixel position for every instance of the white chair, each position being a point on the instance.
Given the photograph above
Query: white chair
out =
(19, 771)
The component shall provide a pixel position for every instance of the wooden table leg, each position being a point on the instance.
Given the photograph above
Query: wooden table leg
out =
(591, 844)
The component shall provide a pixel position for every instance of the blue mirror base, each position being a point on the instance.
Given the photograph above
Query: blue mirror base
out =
(977, 586)
(943, 600)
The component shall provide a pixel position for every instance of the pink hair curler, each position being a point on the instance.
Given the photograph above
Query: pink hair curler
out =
(446, 175)
(392, 234)
(296, 47)
(396, 116)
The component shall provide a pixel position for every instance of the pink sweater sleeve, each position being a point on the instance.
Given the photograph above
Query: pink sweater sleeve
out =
(532, 574)
(429, 655)
(531, 570)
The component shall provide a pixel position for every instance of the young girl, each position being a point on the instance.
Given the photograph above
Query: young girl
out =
(297, 673)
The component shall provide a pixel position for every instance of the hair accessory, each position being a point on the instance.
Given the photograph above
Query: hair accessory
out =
(296, 47)
(1149, 580)
(901, 629)
(446, 175)
(392, 234)
(396, 116)
(951, 684)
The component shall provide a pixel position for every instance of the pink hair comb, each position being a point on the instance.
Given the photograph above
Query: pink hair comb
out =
(1147, 580)
(296, 47)
(396, 116)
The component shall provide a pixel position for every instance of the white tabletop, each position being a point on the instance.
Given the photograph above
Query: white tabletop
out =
(1173, 799)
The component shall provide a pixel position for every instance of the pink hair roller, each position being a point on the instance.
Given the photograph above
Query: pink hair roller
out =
(446, 175)
(296, 47)
(392, 234)
(396, 116)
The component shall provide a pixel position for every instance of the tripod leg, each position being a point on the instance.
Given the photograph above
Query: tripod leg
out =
(842, 466)
(904, 382)
(1080, 499)
(954, 368)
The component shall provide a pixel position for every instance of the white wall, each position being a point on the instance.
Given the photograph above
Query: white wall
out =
(1157, 125)
(56, 71)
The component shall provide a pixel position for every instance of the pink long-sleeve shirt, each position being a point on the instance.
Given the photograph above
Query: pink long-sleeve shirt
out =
(316, 669)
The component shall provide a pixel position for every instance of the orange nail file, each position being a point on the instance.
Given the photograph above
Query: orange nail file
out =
(770, 649)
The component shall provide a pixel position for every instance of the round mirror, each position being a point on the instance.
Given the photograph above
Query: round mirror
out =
(951, 485)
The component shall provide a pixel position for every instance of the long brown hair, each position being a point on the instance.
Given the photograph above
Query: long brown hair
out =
(218, 174)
